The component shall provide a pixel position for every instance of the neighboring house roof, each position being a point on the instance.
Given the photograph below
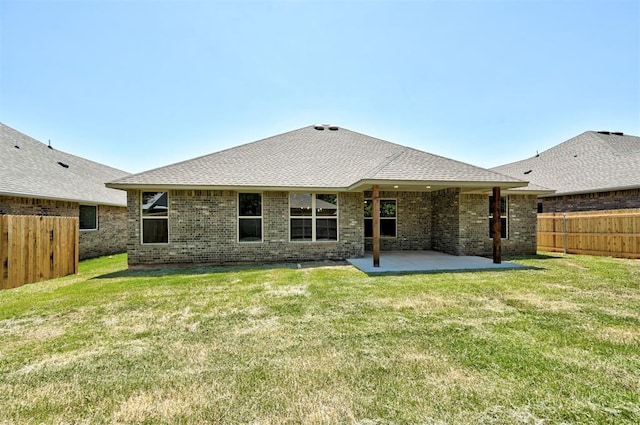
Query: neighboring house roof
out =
(310, 158)
(590, 162)
(31, 169)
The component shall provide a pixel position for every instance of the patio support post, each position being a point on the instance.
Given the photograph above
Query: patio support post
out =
(497, 226)
(376, 226)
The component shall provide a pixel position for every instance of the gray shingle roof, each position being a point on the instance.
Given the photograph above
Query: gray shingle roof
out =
(311, 158)
(35, 170)
(589, 162)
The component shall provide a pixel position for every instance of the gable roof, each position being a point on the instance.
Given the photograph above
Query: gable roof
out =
(330, 158)
(32, 169)
(590, 162)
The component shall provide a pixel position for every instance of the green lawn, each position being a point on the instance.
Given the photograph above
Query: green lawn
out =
(326, 344)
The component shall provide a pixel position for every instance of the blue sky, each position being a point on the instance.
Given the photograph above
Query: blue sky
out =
(137, 85)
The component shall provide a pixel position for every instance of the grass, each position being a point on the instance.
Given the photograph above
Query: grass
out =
(271, 345)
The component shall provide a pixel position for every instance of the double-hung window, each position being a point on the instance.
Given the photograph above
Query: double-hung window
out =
(88, 217)
(388, 218)
(503, 217)
(313, 217)
(249, 217)
(155, 218)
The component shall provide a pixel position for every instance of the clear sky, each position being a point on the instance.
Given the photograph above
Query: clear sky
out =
(137, 85)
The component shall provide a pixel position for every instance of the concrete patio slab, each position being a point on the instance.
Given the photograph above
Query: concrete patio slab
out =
(426, 261)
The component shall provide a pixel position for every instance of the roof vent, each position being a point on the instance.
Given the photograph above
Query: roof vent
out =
(319, 127)
(50, 147)
(618, 133)
(604, 132)
(528, 171)
(333, 128)
(16, 146)
(62, 164)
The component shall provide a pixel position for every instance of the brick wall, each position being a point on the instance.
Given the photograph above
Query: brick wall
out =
(614, 200)
(110, 238)
(413, 225)
(474, 225)
(445, 221)
(203, 229)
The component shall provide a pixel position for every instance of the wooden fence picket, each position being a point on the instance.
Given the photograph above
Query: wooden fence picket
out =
(614, 233)
(37, 248)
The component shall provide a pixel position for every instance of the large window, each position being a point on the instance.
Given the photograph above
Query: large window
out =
(313, 217)
(88, 217)
(249, 217)
(155, 218)
(503, 217)
(388, 218)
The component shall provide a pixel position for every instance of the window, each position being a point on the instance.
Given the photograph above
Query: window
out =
(503, 217)
(388, 218)
(249, 217)
(88, 217)
(313, 217)
(155, 218)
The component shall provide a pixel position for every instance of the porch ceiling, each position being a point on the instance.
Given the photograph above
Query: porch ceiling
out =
(432, 186)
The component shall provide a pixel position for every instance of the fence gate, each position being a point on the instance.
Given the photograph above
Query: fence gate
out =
(36, 248)
(614, 233)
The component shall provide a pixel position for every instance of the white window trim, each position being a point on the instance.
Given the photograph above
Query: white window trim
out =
(97, 216)
(142, 218)
(250, 216)
(313, 217)
(504, 215)
(385, 218)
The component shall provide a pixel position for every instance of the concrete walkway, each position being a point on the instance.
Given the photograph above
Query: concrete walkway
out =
(425, 261)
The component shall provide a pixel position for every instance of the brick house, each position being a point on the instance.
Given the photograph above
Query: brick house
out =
(308, 195)
(596, 170)
(36, 179)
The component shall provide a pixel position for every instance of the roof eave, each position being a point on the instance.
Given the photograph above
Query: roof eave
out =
(523, 191)
(433, 184)
(258, 188)
(54, 198)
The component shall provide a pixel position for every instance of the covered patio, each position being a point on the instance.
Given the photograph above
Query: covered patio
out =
(425, 262)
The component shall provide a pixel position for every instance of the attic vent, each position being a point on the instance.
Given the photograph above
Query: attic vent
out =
(318, 127)
(617, 133)
(62, 164)
(604, 132)
(528, 171)
(17, 147)
(333, 128)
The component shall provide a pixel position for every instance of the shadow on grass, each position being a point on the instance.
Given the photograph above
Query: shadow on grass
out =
(532, 257)
(446, 271)
(192, 270)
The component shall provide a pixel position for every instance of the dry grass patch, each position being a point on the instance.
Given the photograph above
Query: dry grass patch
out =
(324, 344)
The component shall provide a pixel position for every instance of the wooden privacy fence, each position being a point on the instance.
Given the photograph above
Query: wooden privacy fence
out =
(35, 248)
(614, 233)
